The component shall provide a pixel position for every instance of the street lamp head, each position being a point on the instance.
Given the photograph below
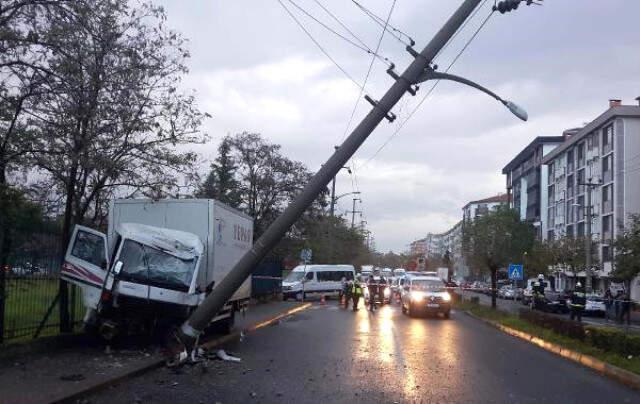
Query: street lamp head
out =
(517, 110)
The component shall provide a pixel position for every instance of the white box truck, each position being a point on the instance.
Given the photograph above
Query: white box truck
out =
(157, 262)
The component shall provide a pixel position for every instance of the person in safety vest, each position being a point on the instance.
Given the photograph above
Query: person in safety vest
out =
(356, 292)
(578, 301)
(347, 289)
(538, 293)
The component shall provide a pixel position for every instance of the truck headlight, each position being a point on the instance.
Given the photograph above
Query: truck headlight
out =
(386, 293)
(446, 297)
(417, 296)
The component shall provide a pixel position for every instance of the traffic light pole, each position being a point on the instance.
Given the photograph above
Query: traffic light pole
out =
(202, 316)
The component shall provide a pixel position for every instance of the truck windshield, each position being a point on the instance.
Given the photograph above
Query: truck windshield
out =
(150, 266)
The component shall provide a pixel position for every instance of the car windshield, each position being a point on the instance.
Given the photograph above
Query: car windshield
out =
(145, 264)
(294, 276)
(427, 285)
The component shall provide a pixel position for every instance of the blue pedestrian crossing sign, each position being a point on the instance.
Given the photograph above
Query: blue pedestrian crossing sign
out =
(516, 272)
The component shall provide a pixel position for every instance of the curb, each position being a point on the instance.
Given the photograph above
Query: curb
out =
(621, 375)
(155, 363)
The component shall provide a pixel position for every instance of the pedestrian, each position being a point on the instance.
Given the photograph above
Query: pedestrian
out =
(356, 292)
(539, 302)
(608, 304)
(372, 287)
(625, 309)
(617, 303)
(347, 293)
(578, 301)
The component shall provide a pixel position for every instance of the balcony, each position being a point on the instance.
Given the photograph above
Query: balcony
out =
(607, 207)
(607, 148)
(607, 176)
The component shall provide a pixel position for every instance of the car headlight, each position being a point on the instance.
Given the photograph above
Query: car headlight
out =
(446, 297)
(387, 292)
(417, 296)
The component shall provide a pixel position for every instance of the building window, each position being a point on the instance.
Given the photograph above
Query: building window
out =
(606, 253)
(607, 139)
(607, 199)
(607, 168)
(581, 154)
(580, 232)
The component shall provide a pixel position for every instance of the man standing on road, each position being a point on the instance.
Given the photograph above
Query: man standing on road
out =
(538, 293)
(578, 301)
(356, 292)
(608, 303)
(347, 292)
(373, 288)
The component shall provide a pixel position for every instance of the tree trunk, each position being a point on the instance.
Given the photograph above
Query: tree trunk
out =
(494, 286)
(65, 321)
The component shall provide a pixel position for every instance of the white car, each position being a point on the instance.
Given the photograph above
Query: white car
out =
(425, 294)
(595, 305)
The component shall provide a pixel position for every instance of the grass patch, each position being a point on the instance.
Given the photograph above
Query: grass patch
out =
(631, 364)
(27, 302)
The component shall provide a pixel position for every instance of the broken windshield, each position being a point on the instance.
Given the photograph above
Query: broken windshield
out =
(148, 265)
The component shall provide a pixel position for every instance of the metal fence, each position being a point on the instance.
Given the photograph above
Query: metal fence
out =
(31, 285)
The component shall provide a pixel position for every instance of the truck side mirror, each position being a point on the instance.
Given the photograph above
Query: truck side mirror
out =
(406, 288)
(117, 268)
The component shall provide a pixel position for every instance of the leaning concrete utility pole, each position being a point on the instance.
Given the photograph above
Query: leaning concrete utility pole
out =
(201, 317)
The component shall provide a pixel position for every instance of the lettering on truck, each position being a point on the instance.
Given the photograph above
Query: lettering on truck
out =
(241, 233)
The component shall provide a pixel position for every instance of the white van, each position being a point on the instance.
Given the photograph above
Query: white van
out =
(307, 280)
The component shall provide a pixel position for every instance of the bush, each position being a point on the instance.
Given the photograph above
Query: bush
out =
(561, 326)
(612, 340)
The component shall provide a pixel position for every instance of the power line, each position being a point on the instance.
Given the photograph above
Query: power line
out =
(366, 78)
(362, 46)
(346, 28)
(415, 109)
(355, 106)
(395, 32)
(319, 46)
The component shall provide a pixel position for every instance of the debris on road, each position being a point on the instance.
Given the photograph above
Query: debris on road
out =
(225, 357)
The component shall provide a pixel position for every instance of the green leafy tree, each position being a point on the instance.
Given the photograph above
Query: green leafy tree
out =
(221, 183)
(627, 251)
(495, 240)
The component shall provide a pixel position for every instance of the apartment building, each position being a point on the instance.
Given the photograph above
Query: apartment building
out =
(526, 178)
(606, 153)
(481, 207)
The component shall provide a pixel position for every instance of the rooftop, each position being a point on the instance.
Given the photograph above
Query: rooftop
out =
(530, 149)
(629, 111)
(500, 198)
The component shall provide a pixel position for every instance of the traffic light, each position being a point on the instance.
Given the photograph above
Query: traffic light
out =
(506, 6)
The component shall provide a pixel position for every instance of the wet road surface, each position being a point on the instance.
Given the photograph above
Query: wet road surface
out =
(326, 354)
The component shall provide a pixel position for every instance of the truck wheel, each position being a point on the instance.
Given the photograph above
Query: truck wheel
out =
(410, 312)
(404, 311)
(447, 314)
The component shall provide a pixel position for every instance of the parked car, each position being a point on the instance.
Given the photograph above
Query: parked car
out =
(595, 306)
(507, 292)
(425, 294)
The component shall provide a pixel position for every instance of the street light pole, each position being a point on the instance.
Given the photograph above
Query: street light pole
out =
(190, 330)
(354, 211)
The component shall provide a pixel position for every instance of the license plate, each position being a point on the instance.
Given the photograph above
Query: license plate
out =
(433, 305)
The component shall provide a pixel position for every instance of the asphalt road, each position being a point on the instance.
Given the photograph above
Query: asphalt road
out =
(326, 354)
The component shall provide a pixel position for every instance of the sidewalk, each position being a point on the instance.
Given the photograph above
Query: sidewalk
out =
(42, 378)
(514, 307)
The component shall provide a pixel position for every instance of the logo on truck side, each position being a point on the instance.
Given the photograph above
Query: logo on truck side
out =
(241, 233)
(221, 226)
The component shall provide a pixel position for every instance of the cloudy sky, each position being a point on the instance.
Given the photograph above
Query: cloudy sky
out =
(255, 70)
